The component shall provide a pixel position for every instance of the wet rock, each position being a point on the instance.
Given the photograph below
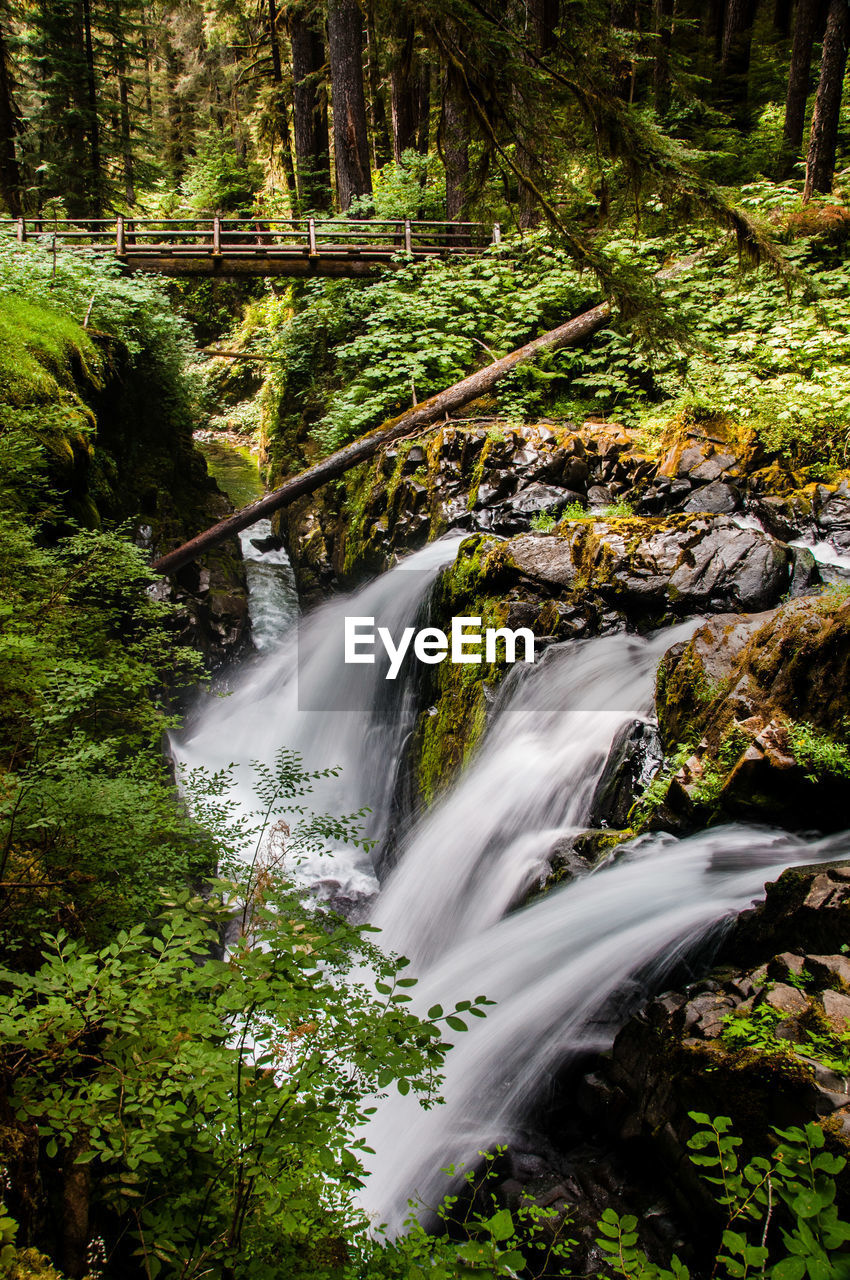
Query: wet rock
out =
(836, 1009)
(574, 856)
(833, 517)
(786, 1000)
(735, 692)
(676, 1056)
(826, 969)
(546, 559)
(718, 497)
(805, 573)
(634, 758)
(784, 966)
(806, 911)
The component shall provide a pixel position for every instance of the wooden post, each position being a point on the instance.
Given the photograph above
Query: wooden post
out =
(408, 237)
(497, 233)
(217, 234)
(311, 230)
(120, 245)
(22, 231)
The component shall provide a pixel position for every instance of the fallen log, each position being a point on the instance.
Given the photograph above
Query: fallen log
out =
(422, 415)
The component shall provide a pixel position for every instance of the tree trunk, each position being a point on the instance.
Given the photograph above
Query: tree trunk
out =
(312, 141)
(713, 27)
(423, 415)
(70, 101)
(735, 51)
(281, 108)
(455, 144)
(125, 126)
(423, 128)
(799, 75)
(782, 17)
(10, 128)
(661, 70)
(76, 1192)
(174, 153)
(271, 14)
(351, 135)
(377, 107)
(549, 15)
(404, 87)
(529, 17)
(96, 182)
(820, 162)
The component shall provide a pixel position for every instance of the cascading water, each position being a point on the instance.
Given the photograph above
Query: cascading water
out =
(559, 968)
(298, 696)
(554, 970)
(272, 592)
(533, 781)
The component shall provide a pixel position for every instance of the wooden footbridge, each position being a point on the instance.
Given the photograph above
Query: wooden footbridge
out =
(237, 247)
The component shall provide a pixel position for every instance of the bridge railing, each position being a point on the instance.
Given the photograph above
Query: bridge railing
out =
(128, 237)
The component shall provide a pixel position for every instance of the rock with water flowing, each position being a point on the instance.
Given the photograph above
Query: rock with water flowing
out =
(759, 1038)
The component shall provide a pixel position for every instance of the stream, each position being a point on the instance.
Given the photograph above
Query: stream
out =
(567, 969)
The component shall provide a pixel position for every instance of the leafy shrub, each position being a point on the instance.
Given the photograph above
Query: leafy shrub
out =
(352, 356)
(413, 188)
(103, 1049)
(218, 177)
(821, 755)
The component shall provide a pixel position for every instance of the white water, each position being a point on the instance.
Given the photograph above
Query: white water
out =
(555, 970)
(272, 593)
(361, 729)
(561, 968)
(825, 553)
(480, 850)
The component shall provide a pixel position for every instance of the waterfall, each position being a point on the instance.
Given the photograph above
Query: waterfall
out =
(300, 695)
(559, 971)
(533, 781)
(563, 969)
(272, 592)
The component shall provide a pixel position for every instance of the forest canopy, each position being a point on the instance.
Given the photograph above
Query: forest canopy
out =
(440, 110)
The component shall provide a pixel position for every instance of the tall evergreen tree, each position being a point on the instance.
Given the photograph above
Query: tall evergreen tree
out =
(820, 162)
(351, 137)
(799, 74)
(10, 128)
(312, 139)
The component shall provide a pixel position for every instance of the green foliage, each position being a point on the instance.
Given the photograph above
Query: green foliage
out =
(543, 522)
(219, 178)
(481, 1238)
(104, 1048)
(781, 1217)
(781, 370)
(85, 656)
(133, 309)
(799, 1176)
(814, 1038)
(655, 792)
(822, 756)
(780, 1221)
(414, 188)
(8, 1231)
(355, 355)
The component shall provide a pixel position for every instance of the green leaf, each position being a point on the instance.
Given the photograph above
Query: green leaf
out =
(500, 1226)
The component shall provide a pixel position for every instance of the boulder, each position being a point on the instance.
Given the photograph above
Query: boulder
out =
(718, 497)
(836, 1008)
(736, 692)
(678, 1054)
(676, 565)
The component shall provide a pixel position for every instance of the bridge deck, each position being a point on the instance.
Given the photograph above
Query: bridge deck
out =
(257, 246)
